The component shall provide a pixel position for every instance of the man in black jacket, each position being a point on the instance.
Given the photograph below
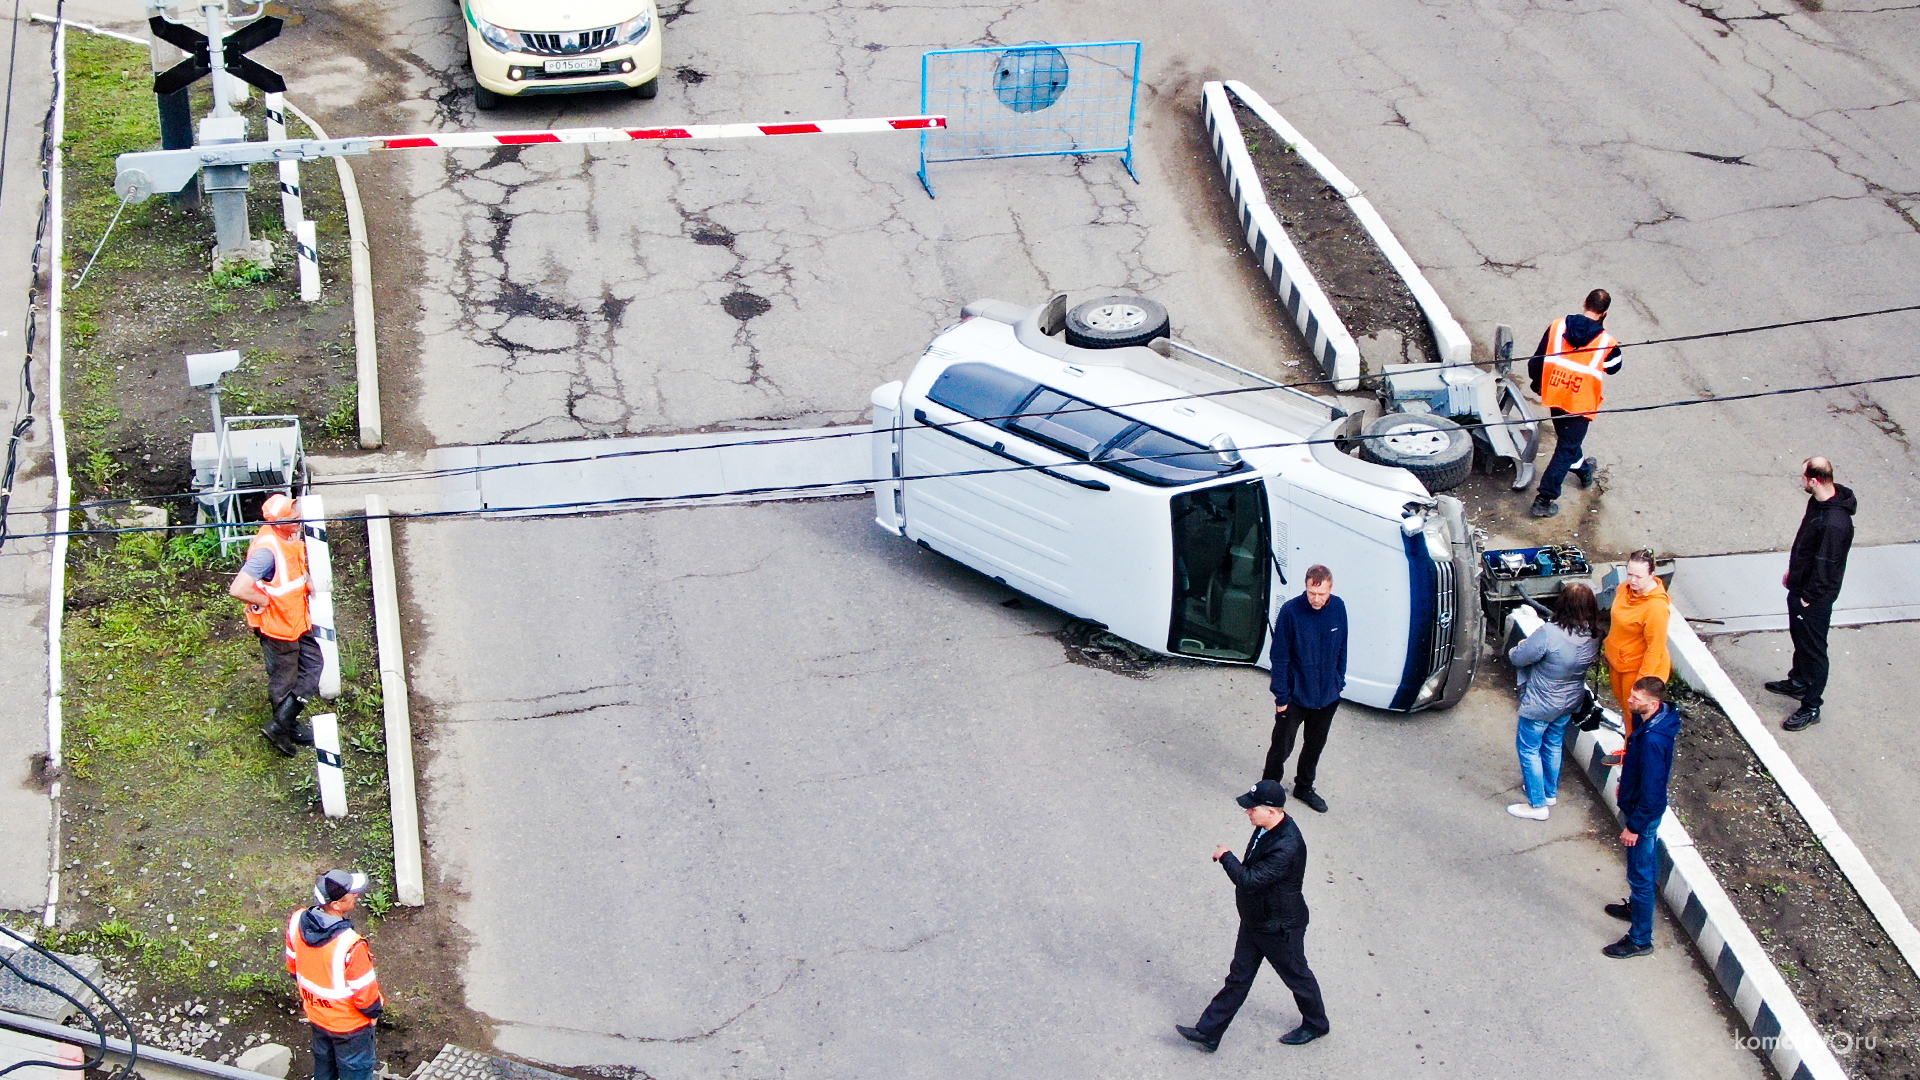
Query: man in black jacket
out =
(1815, 567)
(1273, 921)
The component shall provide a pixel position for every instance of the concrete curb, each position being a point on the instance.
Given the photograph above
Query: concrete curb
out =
(1455, 347)
(62, 480)
(360, 257)
(1327, 338)
(153, 1063)
(408, 873)
(1695, 663)
(1778, 1026)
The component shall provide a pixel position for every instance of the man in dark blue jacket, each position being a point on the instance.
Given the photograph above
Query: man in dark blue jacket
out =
(1644, 773)
(1273, 921)
(1309, 660)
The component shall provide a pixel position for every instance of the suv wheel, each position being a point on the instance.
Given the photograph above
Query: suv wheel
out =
(648, 90)
(1115, 322)
(1433, 448)
(484, 99)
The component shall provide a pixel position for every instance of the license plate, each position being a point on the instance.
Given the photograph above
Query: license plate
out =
(561, 67)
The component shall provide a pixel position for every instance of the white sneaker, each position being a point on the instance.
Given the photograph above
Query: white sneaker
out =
(1531, 813)
(1551, 801)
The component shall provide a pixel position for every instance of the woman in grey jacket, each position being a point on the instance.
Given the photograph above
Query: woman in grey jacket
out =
(1552, 666)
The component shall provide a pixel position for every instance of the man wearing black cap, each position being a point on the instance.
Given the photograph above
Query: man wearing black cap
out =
(334, 969)
(1273, 921)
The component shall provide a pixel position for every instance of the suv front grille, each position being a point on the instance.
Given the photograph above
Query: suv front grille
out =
(1442, 618)
(569, 42)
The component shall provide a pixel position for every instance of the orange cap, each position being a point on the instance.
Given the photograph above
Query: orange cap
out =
(279, 508)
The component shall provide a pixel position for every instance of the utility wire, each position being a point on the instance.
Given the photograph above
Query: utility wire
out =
(564, 509)
(856, 430)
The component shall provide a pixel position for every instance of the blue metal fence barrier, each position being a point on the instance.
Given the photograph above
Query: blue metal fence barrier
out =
(1030, 100)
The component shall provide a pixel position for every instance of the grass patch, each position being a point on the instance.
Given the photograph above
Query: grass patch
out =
(187, 840)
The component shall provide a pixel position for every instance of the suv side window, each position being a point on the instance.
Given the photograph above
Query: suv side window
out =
(1068, 424)
(981, 391)
(1155, 457)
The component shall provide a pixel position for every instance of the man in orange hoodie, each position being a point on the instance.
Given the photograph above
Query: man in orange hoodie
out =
(1637, 644)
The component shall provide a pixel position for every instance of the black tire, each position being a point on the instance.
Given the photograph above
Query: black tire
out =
(648, 90)
(484, 99)
(1433, 448)
(1115, 322)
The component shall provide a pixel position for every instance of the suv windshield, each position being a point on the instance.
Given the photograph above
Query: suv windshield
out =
(1220, 578)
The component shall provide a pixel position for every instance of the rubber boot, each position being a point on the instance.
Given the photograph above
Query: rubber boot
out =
(286, 718)
(281, 737)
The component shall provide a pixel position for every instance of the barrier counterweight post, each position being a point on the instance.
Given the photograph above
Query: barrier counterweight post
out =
(1031, 100)
(330, 767)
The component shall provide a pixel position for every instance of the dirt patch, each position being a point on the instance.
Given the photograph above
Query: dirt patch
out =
(1852, 981)
(1366, 292)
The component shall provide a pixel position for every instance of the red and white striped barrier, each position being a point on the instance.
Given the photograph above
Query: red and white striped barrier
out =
(143, 173)
(464, 140)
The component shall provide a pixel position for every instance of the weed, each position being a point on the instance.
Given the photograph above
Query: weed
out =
(99, 469)
(240, 273)
(344, 421)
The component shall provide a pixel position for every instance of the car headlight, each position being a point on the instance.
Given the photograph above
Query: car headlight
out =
(497, 36)
(633, 29)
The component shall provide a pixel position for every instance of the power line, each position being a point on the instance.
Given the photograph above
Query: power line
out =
(565, 509)
(853, 431)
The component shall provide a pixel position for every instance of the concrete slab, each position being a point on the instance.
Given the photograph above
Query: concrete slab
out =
(596, 474)
(1860, 756)
(819, 801)
(16, 1048)
(17, 995)
(1737, 594)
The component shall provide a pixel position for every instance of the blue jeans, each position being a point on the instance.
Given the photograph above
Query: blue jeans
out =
(1643, 871)
(1539, 742)
(1570, 435)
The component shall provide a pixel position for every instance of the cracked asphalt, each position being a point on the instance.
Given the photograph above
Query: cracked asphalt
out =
(826, 806)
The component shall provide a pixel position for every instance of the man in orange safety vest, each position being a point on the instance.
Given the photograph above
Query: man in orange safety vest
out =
(273, 583)
(334, 969)
(1569, 371)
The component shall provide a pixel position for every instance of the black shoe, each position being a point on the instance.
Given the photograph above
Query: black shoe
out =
(279, 739)
(1311, 798)
(1622, 911)
(1544, 507)
(1787, 688)
(286, 717)
(1804, 717)
(303, 734)
(1301, 1035)
(1585, 472)
(1624, 948)
(1193, 1036)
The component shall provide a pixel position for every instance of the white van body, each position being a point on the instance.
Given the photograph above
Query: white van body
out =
(1099, 482)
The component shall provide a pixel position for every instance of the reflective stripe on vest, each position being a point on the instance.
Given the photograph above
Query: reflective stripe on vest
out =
(286, 617)
(327, 1004)
(1573, 379)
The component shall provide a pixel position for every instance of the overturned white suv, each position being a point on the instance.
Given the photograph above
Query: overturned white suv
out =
(1076, 457)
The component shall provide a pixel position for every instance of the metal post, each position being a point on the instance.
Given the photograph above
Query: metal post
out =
(225, 185)
(176, 117)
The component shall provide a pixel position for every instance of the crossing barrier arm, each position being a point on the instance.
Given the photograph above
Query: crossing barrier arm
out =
(143, 174)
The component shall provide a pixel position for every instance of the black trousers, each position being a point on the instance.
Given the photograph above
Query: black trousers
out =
(293, 667)
(1808, 628)
(1569, 446)
(1286, 725)
(1287, 953)
(343, 1057)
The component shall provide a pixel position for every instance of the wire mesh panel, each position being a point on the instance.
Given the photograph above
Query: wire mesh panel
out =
(1030, 100)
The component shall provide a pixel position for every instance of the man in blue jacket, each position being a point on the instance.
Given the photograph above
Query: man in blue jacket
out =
(1644, 773)
(1309, 661)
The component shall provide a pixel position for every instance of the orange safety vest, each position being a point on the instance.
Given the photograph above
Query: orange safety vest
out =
(336, 980)
(1571, 379)
(286, 618)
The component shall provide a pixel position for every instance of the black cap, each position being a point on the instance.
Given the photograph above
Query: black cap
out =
(1264, 793)
(335, 884)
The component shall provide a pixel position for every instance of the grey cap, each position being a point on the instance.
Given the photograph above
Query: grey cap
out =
(1264, 793)
(335, 884)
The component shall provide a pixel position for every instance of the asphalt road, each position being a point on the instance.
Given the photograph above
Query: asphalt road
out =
(764, 789)
(967, 852)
